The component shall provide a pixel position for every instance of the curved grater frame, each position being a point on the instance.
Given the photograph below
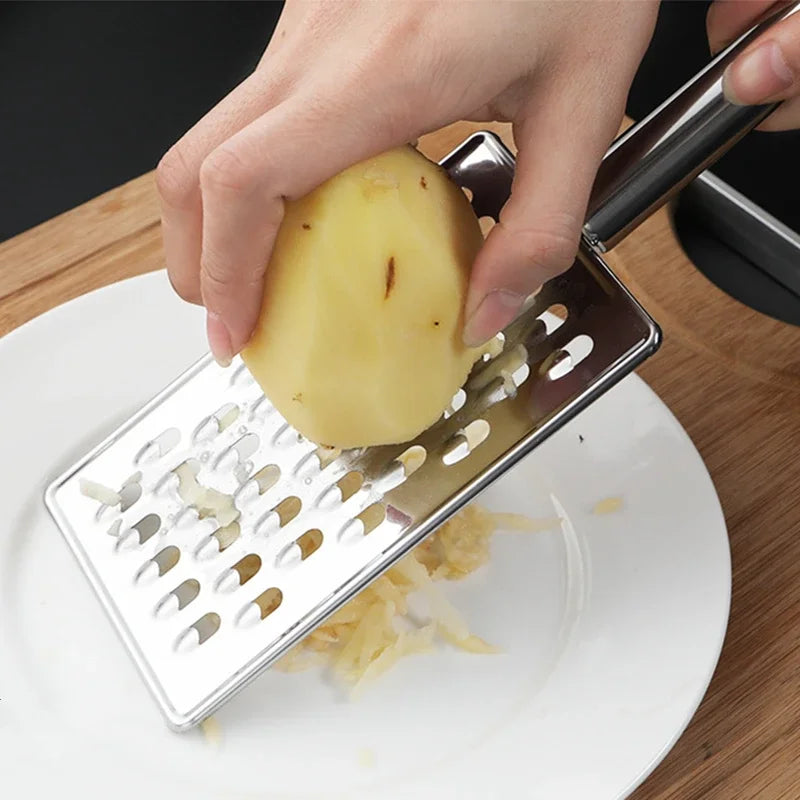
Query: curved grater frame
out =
(165, 575)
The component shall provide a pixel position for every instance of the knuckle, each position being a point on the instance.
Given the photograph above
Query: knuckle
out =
(186, 287)
(214, 282)
(175, 179)
(219, 277)
(551, 245)
(224, 170)
(215, 275)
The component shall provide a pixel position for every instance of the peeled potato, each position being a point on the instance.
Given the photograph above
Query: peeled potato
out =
(359, 337)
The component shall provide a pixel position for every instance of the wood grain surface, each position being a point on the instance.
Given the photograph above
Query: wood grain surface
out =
(732, 377)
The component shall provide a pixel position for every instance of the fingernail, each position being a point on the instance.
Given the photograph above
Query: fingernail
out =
(757, 75)
(219, 339)
(493, 313)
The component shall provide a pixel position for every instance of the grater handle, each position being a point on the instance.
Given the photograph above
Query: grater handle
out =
(658, 156)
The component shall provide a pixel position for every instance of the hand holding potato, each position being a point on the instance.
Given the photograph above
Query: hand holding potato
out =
(344, 81)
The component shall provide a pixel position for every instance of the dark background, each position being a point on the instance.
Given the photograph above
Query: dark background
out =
(92, 94)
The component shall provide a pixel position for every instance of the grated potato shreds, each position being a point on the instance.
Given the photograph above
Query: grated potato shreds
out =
(211, 731)
(369, 635)
(97, 491)
(608, 505)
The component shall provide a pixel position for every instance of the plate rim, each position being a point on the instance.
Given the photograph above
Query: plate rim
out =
(156, 277)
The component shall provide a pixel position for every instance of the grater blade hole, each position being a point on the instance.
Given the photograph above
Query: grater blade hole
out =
(238, 453)
(167, 483)
(178, 598)
(363, 524)
(218, 541)
(227, 535)
(563, 361)
(285, 436)
(256, 485)
(307, 467)
(494, 347)
(261, 409)
(414, 457)
(456, 404)
(135, 478)
(226, 416)
(158, 447)
(554, 317)
(140, 532)
(557, 365)
(291, 555)
(167, 441)
(521, 374)
(159, 565)
(268, 524)
(266, 603)
(503, 367)
(301, 548)
(247, 445)
(502, 378)
(341, 491)
(246, 494)
(128, 495)
(267, 477)
(486, 223)
(279, 516)
(310, 542)
(466, 441)
(239, 574)
(288, 509)
(405, 465)
(198, 633)
(580, 348)
(216, 423)
(349, 484)
(248, 567)
(205, 431)
(372, 516)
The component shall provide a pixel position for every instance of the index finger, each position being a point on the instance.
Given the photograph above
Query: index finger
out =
(283, 155)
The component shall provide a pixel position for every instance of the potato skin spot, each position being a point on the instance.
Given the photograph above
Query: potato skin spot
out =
(390, 277)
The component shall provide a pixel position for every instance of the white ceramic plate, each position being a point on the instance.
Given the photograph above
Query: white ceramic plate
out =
(610, 629)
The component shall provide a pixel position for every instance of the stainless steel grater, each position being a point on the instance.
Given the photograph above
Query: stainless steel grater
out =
(207, 590)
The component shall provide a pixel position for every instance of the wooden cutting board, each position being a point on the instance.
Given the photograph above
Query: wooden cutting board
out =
(732, 377)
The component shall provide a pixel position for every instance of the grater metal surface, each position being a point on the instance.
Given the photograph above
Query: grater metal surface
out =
(204, 604)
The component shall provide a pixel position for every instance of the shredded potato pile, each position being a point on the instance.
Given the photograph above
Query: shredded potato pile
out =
(377, 628)
(370, 634)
